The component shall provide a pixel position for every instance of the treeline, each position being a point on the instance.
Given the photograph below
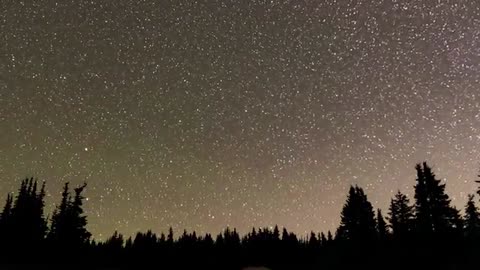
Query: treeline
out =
(425, 231)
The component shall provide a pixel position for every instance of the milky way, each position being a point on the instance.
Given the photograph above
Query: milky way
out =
(215, 113)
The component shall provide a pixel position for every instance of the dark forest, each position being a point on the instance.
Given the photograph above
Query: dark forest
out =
(422, 231)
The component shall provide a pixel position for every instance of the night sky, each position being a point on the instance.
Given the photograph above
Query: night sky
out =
(215, 113)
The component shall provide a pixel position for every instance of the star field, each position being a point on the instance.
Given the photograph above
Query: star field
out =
(206, 114)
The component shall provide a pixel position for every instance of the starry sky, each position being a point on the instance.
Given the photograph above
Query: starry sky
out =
(212, 113)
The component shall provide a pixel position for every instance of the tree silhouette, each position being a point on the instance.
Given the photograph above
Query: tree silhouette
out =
(68, 227)
(382, 229)
(313, 241)
(401, 215)
(357, 217)
(472, 218)
(27, 222)
(79, 220)
(115, 242)
(170, 237)
(5, 222)
(329, 237)
(323, 239)
(433, 211)
(363, 237)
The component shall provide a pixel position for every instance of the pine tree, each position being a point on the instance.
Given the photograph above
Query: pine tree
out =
(208, 240)
(79, 220)
(276, 233)
(357, 217)
(329, 237)
(382, 230)
(323, 239)
(422, 206)
(433, 211)
(58, 234)
(6, 223)
(401, 216)
(129, 243)
(472, 218)
(170, 239)
(284, 234)
(7, 210)
(115, 242)
(68, 227)
(39, 221)
(313, 241)
(27, 222)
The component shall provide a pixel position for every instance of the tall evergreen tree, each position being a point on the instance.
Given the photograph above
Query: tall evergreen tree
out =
(58, 233)
(472, 218)
(401, 215)
(7, 209)
(329, 237)
(323, 239)
(115, 242)
(276, 233)
(68, 228)
(28, 225)
(433, 211)
(6, 223)
(382, 229)
(79, 220)
(313, 241)
(357, 217)
(170, 239)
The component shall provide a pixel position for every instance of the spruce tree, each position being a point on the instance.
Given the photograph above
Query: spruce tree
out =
(323, 239)
(79, 220)
(357, 217)
(115, 242)
(68, 227)
(401, 216)
(6, 223)
(313, 241)
(433, 211)
(170, 239)
(382, 230)
(27, 222)
(58, 234)
(329, 237)
(7, 210)
(472, 218)
(276, 233)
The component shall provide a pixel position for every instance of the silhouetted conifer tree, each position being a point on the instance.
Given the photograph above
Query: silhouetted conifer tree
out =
(28, 225)
(276, 233)
(79, 220)
(145, 241)
(329, 237)
(68, 227)
(382, 229)
(208, 240)
(284, 234)
(129, 243)
(6, 223)
(115, 242)
(401, 215)
(433, 211)
(472, 218)
(219, 241)
(323, 239)
(170, 239)
(357, 217)
(163, 239)
(313, 241)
